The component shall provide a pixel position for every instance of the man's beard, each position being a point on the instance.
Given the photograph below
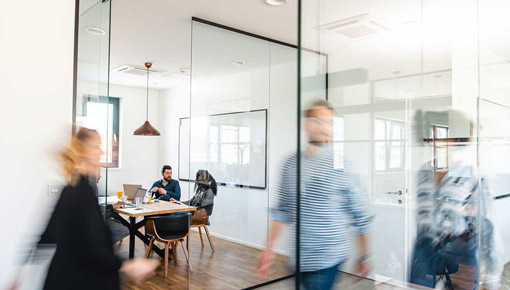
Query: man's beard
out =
(167, 180)
(318, 143)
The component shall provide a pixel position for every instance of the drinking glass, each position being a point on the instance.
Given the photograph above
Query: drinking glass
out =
(119, 194)
(138, 202)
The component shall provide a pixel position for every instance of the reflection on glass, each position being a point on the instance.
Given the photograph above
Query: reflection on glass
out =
(380, 155)
(102, 114)
(238, 130)
(235, 145)
(92, 107)
(402, 93)
(441, 157)
(396, 159)
(389, 145)
(231, 144)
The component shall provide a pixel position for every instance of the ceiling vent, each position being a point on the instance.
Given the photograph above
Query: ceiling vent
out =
(184, 72)
(359, 27)
(135, 70)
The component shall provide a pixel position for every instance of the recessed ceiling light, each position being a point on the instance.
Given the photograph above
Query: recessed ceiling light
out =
(238, 62)
(95, 30)
(277, 2)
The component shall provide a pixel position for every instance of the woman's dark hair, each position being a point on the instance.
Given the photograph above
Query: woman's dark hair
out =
(204, 180)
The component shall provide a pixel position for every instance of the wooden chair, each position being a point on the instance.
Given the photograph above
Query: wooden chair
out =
(169, 230)
(206, 232)
(208, 209)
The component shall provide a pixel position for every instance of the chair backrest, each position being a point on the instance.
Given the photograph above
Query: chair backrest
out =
(176, 226)
(209, 208)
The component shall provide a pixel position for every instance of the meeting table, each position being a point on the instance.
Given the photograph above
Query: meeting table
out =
(147, 210)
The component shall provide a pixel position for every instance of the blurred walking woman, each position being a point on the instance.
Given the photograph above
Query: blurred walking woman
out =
(84, 257)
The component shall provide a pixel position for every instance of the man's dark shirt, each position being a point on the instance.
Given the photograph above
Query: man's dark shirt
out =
(172, 189)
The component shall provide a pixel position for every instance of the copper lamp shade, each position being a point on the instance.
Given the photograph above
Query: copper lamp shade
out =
(146, 129)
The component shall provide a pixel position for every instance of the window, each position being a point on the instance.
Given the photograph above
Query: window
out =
(102, 114)
(441, 148)
(229, 144)
(389, 144)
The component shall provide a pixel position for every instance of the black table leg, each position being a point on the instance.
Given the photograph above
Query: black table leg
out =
(132, 233)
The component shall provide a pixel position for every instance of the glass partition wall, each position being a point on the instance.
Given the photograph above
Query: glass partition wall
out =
(92, 106)
(243, 91)
(416, 147)
(417, 89)
(493, 118)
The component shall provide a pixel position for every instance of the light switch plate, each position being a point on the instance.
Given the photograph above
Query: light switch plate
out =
(54, 190)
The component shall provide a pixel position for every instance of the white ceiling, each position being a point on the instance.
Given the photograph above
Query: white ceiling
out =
(160, 31)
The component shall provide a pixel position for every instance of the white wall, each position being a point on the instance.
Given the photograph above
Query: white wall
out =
(174, 104)
(138, 154)
(36, 45)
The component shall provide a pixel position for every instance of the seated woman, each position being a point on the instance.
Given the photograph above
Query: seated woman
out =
(205, 190)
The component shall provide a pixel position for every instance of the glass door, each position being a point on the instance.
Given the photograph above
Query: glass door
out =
(241, 129)
(415, 127)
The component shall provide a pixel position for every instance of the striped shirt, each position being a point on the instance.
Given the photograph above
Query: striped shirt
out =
(331, 200)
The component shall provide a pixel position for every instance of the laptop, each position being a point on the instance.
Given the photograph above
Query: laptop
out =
(140, 192)
(130, 190)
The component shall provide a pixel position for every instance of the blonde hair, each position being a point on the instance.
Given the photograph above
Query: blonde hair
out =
(70, 156)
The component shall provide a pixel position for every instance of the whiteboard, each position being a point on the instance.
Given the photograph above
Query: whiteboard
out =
(231, 146)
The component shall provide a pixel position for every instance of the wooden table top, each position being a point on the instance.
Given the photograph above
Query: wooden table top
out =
(155, 208)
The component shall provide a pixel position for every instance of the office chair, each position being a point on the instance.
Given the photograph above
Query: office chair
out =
(443, 264)
(169, 230)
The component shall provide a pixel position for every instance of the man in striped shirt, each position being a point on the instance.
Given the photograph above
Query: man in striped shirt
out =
(330, 201)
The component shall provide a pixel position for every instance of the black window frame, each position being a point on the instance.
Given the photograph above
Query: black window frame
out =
(115, 101)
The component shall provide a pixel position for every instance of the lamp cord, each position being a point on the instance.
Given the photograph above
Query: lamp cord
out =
(147, 114)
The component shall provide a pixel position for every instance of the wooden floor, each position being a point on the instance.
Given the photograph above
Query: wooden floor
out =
(232, 266)
(462, 280)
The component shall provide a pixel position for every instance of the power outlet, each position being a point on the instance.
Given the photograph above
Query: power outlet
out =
(54, 190)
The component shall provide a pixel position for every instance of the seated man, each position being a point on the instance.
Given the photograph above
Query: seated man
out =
(166, 188)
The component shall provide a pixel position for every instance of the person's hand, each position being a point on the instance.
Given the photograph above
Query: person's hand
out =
(162, 191)
(118, 204)
(265, 262)
(154, 189)
(15, 283)
(139, 269)
(172, 199)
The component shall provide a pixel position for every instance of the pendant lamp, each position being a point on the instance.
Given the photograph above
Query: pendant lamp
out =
(146, 129)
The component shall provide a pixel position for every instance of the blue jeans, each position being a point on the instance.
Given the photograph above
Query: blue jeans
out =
(428, 262)
(320, 279)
